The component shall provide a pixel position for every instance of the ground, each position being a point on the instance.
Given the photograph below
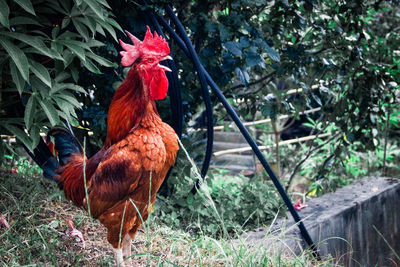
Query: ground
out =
(39, 235)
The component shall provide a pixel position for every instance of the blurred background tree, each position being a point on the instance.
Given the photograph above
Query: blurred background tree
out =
(60, 61)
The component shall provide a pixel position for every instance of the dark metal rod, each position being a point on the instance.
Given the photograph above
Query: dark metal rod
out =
(246, 135)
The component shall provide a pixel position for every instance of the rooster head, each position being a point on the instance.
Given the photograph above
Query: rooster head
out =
(145, 56)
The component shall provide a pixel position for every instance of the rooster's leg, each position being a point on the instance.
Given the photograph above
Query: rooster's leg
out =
(119, 260)
(127, 249)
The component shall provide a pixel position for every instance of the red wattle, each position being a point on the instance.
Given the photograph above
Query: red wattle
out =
(158, 85)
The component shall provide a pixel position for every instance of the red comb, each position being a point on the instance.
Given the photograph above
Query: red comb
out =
(151, 45)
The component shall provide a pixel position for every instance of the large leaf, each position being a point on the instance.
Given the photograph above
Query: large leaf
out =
(90, 66)
(41, 72)
(104, 3)
(62, 76)
(95, 43)
(100, 30)
(76, 49)
(30, 111)
(70, 99)
(4, 13)
(17, 77)
(81, 28)
(272, 54)
(253, 59)
(34, 133)
(243, 75)
(114, 23)
(96, 8)
(23, 21)
(21, 135)
(101, 60)
(17, 56)
(63, 86)
(233, 47)
(88, 22)
(108, 28)
(27, 5)
(50, 111)
(74, 42)
(35, 42)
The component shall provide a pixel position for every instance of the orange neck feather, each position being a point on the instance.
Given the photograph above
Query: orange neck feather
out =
(127, 108)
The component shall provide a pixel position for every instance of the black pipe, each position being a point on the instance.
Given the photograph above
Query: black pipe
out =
(241, 127)
(206, 95)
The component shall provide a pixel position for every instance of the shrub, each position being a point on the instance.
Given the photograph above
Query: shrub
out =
(234, 202)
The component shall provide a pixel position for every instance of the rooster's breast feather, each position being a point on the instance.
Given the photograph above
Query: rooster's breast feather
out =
(125, 170)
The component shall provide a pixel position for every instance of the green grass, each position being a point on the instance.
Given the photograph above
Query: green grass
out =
(37, 210)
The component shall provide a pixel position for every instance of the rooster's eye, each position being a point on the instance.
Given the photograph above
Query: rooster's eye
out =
(150, 60)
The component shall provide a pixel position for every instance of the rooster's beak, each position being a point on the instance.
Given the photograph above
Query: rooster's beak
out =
(167, 57)
(164, 67)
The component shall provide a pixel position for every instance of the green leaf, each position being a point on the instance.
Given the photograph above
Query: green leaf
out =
(21, 135)
(77, 50)
(114, 23)
(65, 23)
(243, 75)
(30, 112)
(101, 60)
(81, 28)
(108, 28)
(62, 86)
(88, 22)
(90, 66)
(78, 2)
(75, 73)
(23, 21)
(27, 5)
(4, 13)
(104, 3)
(41, 72)
(17, 77)
(272, 54)
(100, 30)
(62, 76)
(17, 56)
(75, 42)
(34, 133)
(233, 47)
(56, 6)
(253, 59)
(55, 32)
(95, 7)
(50, 111)
(35, 42)
(70, 99)
(95, 43)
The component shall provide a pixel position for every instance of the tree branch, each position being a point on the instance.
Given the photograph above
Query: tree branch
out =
(309, 153)
(255, 82)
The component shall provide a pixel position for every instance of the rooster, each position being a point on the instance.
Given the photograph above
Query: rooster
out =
(118, 184)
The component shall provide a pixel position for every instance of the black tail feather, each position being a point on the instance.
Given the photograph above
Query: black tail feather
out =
(45, 159)
(65, 145)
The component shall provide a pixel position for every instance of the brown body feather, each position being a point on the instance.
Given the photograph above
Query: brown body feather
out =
(139, 148)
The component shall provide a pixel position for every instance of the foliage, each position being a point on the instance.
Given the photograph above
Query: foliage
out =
(21, 165)
(238, 202)
(44, 45)
(342, 55)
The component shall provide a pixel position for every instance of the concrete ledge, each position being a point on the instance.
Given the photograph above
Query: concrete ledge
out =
(342, 224)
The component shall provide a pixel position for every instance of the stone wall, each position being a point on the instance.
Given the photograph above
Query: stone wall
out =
(350, 225)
